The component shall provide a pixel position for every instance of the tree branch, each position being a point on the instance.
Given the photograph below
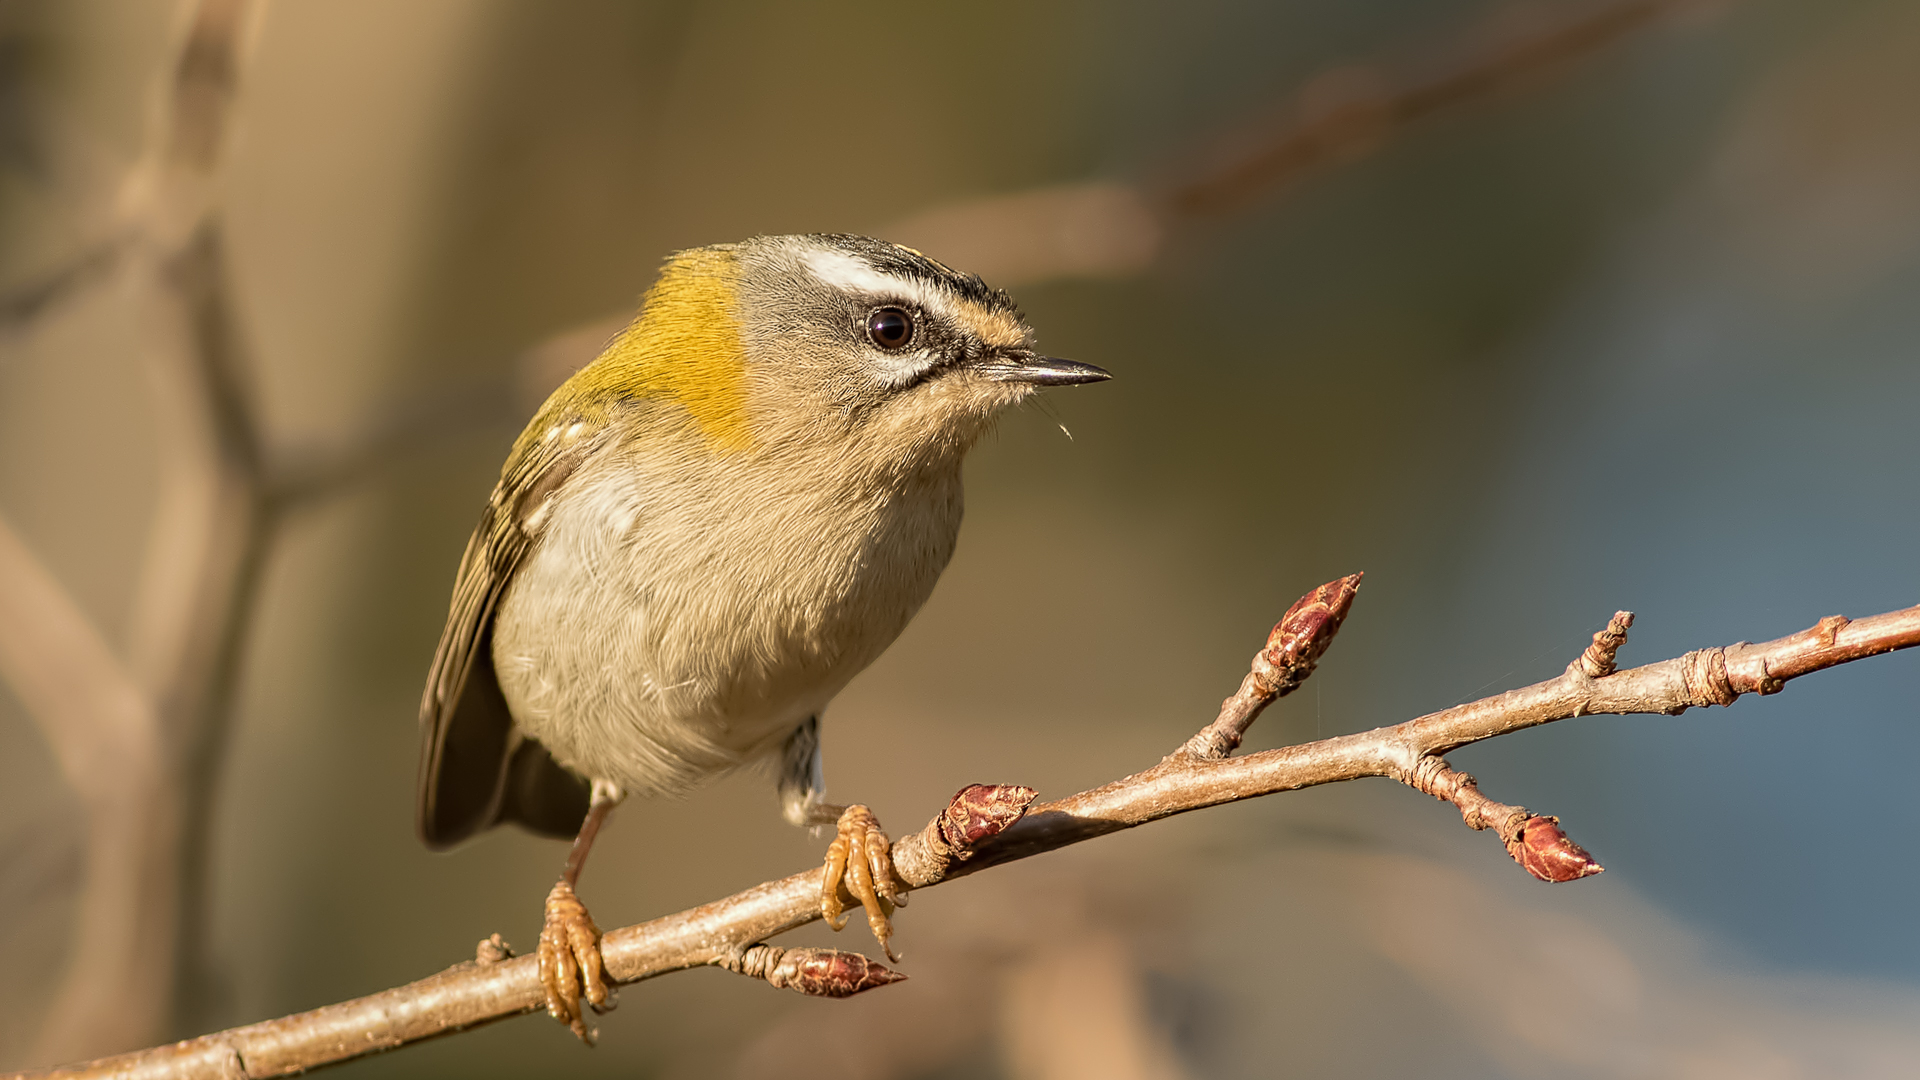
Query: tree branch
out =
(985, 826)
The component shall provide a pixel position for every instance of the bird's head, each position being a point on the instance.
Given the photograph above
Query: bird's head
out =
(842, 343)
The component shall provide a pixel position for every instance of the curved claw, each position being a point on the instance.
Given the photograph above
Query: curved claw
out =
(570, 966)
(860, 866)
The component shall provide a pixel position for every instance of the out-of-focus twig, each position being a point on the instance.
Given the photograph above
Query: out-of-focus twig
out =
(104, 733)
(1349, 111)
(138, 739)
(21, 305)
(985, 826)
(1109, 228)
(208, 534)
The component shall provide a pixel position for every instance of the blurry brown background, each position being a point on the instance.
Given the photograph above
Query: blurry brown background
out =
(1639, 330)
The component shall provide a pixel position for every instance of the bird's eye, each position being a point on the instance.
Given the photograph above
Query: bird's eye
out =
(890, 328)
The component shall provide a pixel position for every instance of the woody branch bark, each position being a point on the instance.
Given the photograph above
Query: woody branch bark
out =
(985, 826)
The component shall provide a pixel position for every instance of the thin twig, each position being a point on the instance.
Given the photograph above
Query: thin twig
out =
(987, 826)
(1293, 648)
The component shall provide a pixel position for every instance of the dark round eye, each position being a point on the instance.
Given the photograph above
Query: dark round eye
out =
(890, 328)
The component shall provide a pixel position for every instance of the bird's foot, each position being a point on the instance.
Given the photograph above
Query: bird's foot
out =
(570, 962)
(860, 871)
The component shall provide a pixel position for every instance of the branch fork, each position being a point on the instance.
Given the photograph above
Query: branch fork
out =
(1536, 842)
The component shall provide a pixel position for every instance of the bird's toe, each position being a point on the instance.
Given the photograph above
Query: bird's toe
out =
(570, 965)
(859, 870)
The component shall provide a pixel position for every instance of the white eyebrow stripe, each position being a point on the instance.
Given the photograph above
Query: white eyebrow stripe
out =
(844, 271)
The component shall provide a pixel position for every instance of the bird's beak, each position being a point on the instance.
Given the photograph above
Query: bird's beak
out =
(1042, 370)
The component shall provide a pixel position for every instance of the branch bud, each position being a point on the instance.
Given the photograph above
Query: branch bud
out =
(829, 973)
(1545, 852)
(979, 812)
(1302, 635)
(1597, 661)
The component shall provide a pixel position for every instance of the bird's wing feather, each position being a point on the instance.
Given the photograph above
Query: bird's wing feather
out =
(476, 769)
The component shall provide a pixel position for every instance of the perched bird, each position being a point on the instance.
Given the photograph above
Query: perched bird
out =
(700, 538)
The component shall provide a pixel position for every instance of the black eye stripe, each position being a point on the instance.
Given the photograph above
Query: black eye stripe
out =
(890, 328)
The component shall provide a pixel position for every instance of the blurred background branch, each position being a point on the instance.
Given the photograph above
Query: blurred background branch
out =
(140, 741)
(105, 733)
(1106, 228)
(1339, 116)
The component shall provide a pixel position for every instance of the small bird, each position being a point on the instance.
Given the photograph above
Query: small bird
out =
(700, 538)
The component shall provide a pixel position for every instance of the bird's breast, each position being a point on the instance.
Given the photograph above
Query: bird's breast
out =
(672, 622)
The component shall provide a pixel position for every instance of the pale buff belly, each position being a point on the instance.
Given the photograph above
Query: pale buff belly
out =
(656, 642)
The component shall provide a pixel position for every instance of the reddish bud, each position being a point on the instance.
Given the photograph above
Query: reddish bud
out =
(829, 973)
(1302, 635)
(980, 811)
(1546, 853)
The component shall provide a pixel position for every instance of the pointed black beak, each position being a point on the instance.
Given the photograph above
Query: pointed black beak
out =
(1043, 371)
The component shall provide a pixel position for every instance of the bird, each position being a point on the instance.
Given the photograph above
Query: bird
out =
(699, 539)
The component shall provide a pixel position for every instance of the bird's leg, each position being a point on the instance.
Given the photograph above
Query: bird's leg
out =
(859, 865)
(569, 941)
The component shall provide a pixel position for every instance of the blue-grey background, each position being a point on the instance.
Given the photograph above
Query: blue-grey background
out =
(1641, 333)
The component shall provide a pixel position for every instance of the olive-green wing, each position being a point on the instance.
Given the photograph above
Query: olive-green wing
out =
(476, 769)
